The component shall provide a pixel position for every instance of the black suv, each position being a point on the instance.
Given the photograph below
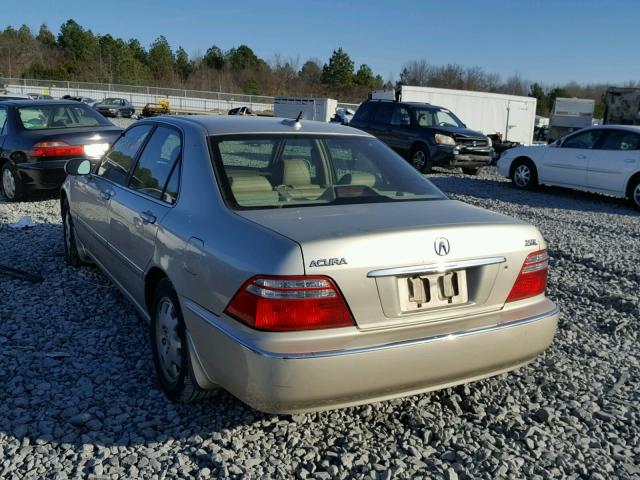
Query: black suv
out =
(425, 135)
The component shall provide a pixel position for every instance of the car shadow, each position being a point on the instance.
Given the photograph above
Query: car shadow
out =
(543, 197)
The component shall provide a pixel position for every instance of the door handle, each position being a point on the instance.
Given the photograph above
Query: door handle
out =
(581, 157)
(104, 195)
(148, 217)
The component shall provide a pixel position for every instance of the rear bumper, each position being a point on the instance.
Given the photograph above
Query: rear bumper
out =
(287, 382)
(454, 156)
(46, 174)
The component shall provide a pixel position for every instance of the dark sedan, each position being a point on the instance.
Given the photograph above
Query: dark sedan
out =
(115, 107)
(38, 137)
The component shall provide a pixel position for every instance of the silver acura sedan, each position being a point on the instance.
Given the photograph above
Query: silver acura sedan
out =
(303, 266)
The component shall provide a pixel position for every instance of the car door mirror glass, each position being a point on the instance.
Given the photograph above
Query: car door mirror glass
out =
(77, 166)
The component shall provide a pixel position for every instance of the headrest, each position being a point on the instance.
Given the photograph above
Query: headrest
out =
(296, 172)
(252, 183)
(359, 178)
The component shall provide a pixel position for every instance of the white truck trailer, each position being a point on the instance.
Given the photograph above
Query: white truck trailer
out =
(321, 109)
(511, 116)
(569, 115)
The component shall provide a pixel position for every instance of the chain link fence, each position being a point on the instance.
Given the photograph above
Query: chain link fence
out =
(181, 100)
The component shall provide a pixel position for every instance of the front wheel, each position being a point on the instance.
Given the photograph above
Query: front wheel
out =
(524, 175)
(12, 186)
(71, 255)
(421, 159)
(169, 346)
(634, 193)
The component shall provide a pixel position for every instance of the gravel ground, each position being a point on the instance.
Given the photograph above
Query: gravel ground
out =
(80, 397)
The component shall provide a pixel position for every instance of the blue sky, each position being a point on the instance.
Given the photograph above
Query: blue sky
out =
(549, 41)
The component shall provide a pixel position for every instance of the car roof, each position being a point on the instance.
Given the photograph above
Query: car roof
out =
(631, 128)
(234, 124)
(410, 104)
(37, 103)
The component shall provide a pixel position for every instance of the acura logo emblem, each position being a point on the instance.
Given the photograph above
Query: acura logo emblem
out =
(441, 245)
(475, 143)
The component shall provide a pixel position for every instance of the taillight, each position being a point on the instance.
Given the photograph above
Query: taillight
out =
(55, 149)
(532, 279)
(274, 303)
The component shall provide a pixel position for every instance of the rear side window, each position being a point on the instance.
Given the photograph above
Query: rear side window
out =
(384, 112)
(116, 164)
(365, 112)
(400, 116)
(156, 163)
(59, 116)
(3, 119)
(621, 140)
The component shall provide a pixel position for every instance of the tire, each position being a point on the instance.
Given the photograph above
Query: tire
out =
(12, 186)
(170, 348)
(420, 158)
(71, 255)
(524, 175)
(470, 171)
(634, 193)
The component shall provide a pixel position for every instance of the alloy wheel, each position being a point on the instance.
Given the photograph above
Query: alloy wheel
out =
(419, 159)
(8, 184)
(168, 341)
(522, 176)
(636, 195)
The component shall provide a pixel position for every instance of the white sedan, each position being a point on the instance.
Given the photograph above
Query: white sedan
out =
(602, 159)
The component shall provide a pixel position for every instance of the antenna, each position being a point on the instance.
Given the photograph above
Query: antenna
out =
(299, 117)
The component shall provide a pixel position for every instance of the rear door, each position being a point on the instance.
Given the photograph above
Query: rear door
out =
(138, 207)
(612, 164)
(3, 121)
(401, 135)
(380, 126)
(567, 163)
(92, 193)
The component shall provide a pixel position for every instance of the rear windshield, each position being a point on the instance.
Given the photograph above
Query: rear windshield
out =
(269, 171)
(60, 116)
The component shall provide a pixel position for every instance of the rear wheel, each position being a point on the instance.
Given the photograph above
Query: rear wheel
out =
(12, 185)
(470, 171)
(634, 193)
(524, 175)
(169, 346)
(421, 159)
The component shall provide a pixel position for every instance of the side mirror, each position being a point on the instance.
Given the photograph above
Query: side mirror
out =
(77, 166)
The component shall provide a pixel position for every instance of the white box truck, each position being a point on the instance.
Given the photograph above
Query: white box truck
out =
(321, 109)
(511, 116)
(569, 115)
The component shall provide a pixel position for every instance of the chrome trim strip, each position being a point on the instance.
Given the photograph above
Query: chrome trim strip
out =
(435, 267)
(212, 320)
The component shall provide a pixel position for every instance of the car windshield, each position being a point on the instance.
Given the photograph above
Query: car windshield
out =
(60, 116)
(111, 101)
(437, 117)
(276, 171)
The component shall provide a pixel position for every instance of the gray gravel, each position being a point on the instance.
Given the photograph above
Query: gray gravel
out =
(80, 399)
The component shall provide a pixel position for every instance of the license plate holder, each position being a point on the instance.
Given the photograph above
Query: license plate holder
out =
(437, 290)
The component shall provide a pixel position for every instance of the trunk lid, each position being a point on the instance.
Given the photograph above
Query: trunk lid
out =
(353, 243)
(77, 136)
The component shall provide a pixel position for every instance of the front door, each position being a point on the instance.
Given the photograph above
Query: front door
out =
(567, 163)
(611, 165)
(138, 207)
(93, 193)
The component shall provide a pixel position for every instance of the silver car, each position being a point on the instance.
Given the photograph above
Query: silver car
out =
(303, 266)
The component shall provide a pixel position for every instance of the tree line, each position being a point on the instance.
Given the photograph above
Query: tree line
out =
(76, 53)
